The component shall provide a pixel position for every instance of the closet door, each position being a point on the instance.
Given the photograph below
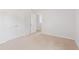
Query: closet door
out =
(33, 23)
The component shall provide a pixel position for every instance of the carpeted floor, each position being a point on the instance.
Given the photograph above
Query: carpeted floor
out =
(39, 41)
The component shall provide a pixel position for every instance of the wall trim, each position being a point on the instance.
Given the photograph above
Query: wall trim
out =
(57, 36)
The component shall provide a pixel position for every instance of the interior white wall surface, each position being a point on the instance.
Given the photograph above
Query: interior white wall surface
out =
(58, 22)
(77, 28)
(13, 24)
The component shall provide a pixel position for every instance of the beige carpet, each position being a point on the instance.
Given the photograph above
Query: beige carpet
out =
(39, 42)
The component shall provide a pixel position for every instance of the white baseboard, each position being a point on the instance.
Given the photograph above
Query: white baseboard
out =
(57, 36)
(5, 40)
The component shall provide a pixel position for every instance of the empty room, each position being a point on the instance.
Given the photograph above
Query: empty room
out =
(39, 29)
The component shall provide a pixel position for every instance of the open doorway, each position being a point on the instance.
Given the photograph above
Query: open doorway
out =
(36, 21)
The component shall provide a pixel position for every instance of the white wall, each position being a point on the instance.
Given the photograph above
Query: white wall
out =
(16, 23)
(77, 28)
(58, 22)
(13, 24)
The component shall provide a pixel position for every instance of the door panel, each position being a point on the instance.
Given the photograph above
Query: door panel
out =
(33, 23)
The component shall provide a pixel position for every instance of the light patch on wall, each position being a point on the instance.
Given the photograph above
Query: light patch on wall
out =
(40, 19)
